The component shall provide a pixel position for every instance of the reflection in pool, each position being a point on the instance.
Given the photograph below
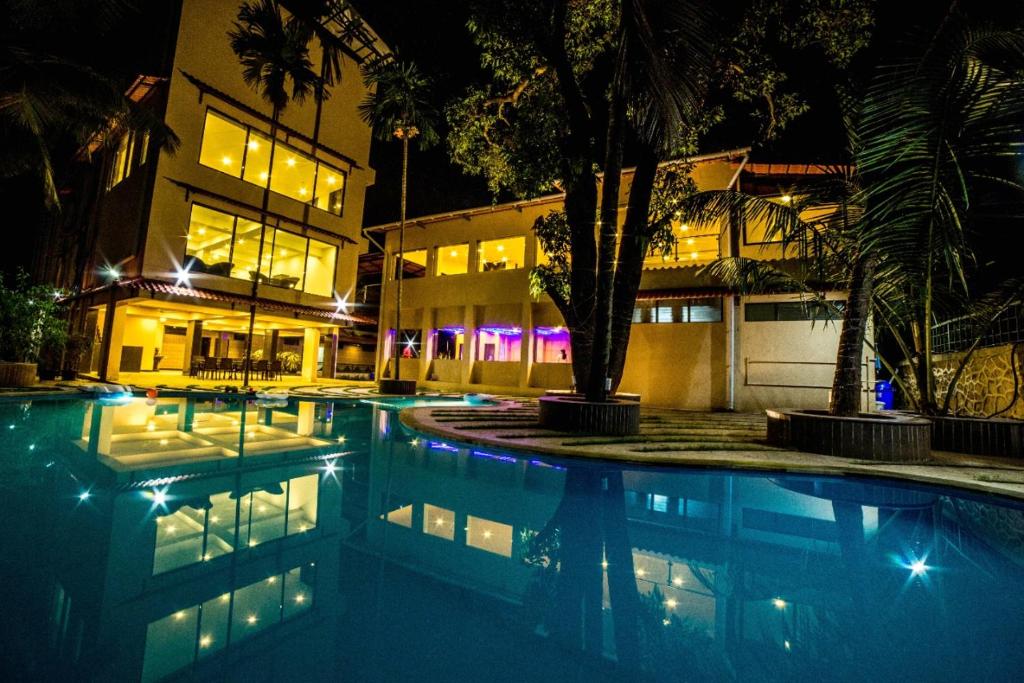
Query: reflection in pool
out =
(322, 541)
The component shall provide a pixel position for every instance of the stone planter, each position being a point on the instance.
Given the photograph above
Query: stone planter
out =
(978, 436)
(17, 374)
(575, 414)
(889, 438)
(398, 387)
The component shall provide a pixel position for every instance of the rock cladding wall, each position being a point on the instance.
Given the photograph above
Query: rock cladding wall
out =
(987, 383)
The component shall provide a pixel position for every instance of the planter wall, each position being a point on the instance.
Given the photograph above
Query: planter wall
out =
(978, 436)
(398, 387)
(895, 438)
(17, 374)
(575, 414)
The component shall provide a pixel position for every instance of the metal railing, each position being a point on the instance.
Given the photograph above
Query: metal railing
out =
(959, 334)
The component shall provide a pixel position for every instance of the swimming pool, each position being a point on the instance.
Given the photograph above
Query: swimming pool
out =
(302, 540)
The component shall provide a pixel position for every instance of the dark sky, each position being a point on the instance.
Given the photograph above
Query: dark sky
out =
(432, 33)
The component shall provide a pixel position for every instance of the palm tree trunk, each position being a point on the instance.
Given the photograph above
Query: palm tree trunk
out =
(597, 385)
(400, 261)
(274, 121)
(846, 383)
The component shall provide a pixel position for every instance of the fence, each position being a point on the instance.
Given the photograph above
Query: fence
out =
(958, 334)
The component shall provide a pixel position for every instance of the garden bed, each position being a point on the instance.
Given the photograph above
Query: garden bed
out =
(868, 436)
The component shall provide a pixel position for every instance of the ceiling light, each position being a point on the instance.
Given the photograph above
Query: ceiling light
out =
(291, 161)
(253, 145)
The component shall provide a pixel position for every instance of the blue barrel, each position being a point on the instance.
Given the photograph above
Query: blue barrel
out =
(883, 394)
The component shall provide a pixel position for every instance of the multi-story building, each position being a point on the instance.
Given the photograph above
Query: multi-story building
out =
(470, 323)
(168, 241)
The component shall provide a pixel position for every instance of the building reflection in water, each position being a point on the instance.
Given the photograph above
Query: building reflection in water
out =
(198, 538)
(692, 575)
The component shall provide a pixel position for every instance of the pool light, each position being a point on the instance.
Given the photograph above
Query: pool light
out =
(918, 568)
(779, 603)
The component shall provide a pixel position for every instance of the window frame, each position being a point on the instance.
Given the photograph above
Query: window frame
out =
(275, 226)
(311, 155)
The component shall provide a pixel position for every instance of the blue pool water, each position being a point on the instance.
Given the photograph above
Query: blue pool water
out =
(207, 540)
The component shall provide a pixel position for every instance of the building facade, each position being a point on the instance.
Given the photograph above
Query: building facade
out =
(171, 241)
(469, 322)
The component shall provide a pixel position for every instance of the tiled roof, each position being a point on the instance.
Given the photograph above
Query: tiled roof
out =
(160, 287)
(681, 293)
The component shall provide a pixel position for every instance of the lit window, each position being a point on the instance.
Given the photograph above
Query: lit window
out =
(499, 344)
(414, 262)
(241, 151)
(448, 343)
(453, 259)
(502, 254)
(223, 244)
(552, 345)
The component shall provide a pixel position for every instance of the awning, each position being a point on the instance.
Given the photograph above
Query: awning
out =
(690, 293)
(198, 294)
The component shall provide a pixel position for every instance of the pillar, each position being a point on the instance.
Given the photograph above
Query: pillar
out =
(310, 349)
(113, 338)
(270, 344)
(331, 354)
(193, 344)
(526, 346)
(469, 350)
(426, 343)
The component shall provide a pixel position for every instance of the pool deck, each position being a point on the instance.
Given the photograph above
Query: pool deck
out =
(700, 439)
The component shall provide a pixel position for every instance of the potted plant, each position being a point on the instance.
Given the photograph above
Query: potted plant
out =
(30, 321)
(75, 348)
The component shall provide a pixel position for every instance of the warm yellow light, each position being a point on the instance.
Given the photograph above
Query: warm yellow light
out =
(163, 319)
(501, 247)
(641, 572)
(330, 180)
(684, 227)
(303, 192)
(689, 240)
(693, 256)
(604, 564)
(263, 175)
(337, 205)
(671, 603)
(271, 579)
(300, 598)
(253, 145)
(215, 519)
(225, 597)
(677, 581)
(201, 231)
(786, 199)
(291, 161)
(163, 442)
(205, 641)
(262, 508)
(151, 426)
(251, 619)
(252, 543)
(487, 534)
(438, 522)
(454, 253)
(178, 616)
(226, 160)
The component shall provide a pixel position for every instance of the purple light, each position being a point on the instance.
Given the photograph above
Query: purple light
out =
(490, 456)
(443, 447)
(551, 331)
(454, 329)
(506, 331)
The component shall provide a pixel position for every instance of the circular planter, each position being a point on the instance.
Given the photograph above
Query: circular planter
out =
(576, 414)
(569, 392)
(978, 436)
(398, 387)
(17, 374)
(888, 438)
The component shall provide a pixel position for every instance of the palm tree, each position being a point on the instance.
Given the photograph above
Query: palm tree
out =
(274, 53)
(932, 134)
(50, 97)
(398, 106)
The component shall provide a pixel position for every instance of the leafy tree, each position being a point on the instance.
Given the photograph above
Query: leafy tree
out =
(274, 50)
(31, 320)
(398, 106)
(929, 140)
(572, 83)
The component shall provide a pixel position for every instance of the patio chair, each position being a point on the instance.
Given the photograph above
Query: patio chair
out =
(210, 367)
(276, 368)
(197, 367)
(286, 281)
(262, 368)
(226, 366)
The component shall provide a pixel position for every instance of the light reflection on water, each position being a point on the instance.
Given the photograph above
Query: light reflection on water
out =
(316, 540)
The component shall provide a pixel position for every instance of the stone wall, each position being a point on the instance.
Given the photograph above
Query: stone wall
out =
(987, 383)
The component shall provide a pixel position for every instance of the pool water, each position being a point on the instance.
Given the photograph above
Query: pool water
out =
(186, 538)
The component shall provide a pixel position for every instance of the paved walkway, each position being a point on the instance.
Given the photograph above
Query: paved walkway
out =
(694, 439)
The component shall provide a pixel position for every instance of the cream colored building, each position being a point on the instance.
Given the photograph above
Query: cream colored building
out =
(174, 237)
(469, 322)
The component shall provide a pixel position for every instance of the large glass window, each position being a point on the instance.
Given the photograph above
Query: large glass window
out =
(129, 153)
(553, 345)
(695, 245)
(448, 343)
(223, 244)
(453, 259)
(414, 262)
(499, 343)
(502, 254)
(792, 311)
(243, 152)
(678, 311)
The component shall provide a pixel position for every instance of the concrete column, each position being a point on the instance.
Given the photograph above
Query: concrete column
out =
(427, 343)
(270, 344)
(310, 347)
(193, 343)
(110, 364)
(526, 346)
(469, 348)
(331, 354)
